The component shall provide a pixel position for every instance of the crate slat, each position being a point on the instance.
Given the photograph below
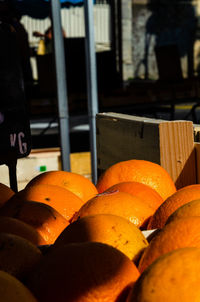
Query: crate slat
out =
(171, 144)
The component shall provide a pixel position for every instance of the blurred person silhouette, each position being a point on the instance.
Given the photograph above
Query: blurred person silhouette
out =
(47, 36)
(171, 23)
(10, 16)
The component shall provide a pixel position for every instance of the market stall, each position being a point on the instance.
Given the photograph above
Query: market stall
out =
(53, 8)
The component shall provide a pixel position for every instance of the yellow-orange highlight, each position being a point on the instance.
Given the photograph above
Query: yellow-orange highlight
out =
(179, 233)
(46, 220)
(171, 204)
(144, 192)
(172, 277)
(142, 171)
(117, 203)
(11, 289)
(62, 200)
(76, 183)
(106, 228)
(83, 272)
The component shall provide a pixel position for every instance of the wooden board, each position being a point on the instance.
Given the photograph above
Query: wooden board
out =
(197, 150)
(177, 152)
(170, 144)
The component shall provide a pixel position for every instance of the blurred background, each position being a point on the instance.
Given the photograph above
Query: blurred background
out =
(147, 55)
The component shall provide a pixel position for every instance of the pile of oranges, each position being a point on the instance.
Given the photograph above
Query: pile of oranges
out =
(132, 237)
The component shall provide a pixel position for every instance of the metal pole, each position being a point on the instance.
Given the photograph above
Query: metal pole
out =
(91, 82)
(61, 84)
(119, 38)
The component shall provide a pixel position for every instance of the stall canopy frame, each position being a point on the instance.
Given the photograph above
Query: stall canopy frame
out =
(30, 8)
(92, 94)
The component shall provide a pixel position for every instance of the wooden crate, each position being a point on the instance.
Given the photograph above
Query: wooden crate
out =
(172, 144)
(41, 160)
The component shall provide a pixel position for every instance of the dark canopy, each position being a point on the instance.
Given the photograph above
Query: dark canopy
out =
(39, 9)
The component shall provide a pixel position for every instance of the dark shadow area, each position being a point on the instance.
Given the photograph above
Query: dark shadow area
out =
(97, 266)
(168, 33)
(107, 79)
(44, 95)
(75, 56)
(169, 77)
(15, 133)
(172, 23)
(79, 141)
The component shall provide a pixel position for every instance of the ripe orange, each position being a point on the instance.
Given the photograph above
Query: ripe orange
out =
(18, 256)
(11, 289)
(17, 227)
(191, 208)
(106, 228)
(5, 193)
(83, 272)
(172, 277)
(76, 183)
(62, 200)
(182, 196)
(179, 233)
(117, 203)
(142, 171)
(46, 220)
(144, 192)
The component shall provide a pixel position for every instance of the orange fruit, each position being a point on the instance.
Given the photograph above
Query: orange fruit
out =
(11, 289)
(117, 203)
(46, 220)
(142, 171)
(106, 228)
(182, 232)
(62, 200)
(172, 277)
(191, 208)
(144, 192)
(5, 193)
(76, 183)
(83, 272)
(18, 256)
(17, 227)
(182, 196)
